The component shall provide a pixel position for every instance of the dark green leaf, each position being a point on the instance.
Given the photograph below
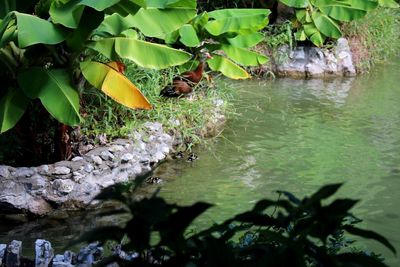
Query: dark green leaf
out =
(54, 89)
(12, 107)
(33, 30)
(341, 206)
(325, 192)
(256, 219)
(91, 19)
(370, 235)
(290, 196)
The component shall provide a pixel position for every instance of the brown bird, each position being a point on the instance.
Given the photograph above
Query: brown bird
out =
(196, 75)
(182, 85)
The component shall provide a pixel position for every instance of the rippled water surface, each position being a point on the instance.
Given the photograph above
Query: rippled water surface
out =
(297, 135)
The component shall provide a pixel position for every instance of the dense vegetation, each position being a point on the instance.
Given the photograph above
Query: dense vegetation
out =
(283, 232)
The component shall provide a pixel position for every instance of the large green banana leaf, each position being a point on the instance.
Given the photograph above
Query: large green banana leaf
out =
(107, 78)
(159, 22)
(145, 54)
(33, 30)
(91, 19)
(237, 21)
(8, 31)
(314, 34)
(388, 3)
(113, 25)
(12, 107)
(171, 3)
(296, 3)
(227, 67)
(326, 25)
(246, 40)
(54, 89)
(235, 12)
(188, 36)
(200, 21)
(244, 56)
(68, 14)
(346, 10)
(126, 7)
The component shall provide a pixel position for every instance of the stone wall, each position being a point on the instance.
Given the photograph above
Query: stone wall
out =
(71, 185)
(314, 62)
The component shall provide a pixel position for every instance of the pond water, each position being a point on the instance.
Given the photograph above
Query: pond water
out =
(293, 135)
(298, 135)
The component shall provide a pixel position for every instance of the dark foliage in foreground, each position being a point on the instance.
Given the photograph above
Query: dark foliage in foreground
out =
(284, 232)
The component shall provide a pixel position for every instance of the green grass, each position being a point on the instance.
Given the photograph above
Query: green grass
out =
(374, 38)
(184, 117)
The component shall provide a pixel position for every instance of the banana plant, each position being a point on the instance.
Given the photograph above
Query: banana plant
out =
(44, 52)
(318, 20)
(229, 34)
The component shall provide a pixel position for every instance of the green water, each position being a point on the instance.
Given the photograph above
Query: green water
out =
(297, 135)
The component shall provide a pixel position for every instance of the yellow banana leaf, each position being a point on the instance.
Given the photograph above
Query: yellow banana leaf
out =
(113, 83)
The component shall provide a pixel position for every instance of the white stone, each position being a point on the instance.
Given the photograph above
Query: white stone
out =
(61, 171)
(88, 168)
(116, 148)
(24, 172)
(77, 159)
(97, 160)
(106, 155)
(4, 172)
(63, 186)
(126, 157)
(77, 176)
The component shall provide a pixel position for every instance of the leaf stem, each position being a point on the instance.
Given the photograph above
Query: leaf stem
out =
(7, 58)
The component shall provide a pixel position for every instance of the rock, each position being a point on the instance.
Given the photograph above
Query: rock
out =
(315, 62)
(61, 171)
(13, 254)
(36, 184)
(4, 172)
(3, 248)
(106, 155)
(126, 158)
(24, 172)
(89, 255)
(97, 160)
(43, 169)
(63, 260)
(116, 148)
(63, 186)
(124, 255)
(344, 56)
(77, 176)
(158, 156)
(77, 159)
(88, 168)
(43, 253)
(153, 126)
